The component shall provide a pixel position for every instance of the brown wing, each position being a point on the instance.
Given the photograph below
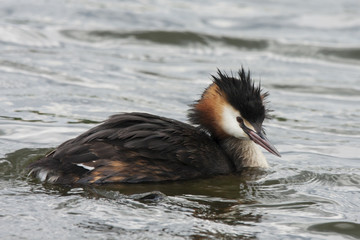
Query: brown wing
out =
(134, 147)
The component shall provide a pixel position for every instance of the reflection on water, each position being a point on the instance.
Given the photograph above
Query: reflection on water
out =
(66, 67)
(346, 228)
(229, 206)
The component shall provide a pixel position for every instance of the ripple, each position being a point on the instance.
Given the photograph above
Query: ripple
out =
(14, 164)
(309, 177)
(343, 228)
(186, 38)
(26, 37)
(180, 38)
(338, 91)
(346, 53)
(24, 120)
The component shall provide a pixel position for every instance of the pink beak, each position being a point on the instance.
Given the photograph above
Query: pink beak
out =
(260, 139)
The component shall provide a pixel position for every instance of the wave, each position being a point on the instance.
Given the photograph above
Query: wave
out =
(189, 38)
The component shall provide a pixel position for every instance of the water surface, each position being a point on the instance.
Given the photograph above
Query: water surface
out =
(64, 67)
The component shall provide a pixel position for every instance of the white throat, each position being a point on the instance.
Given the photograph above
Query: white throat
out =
(244, 153)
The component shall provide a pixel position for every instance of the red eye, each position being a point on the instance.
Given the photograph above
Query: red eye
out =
(240, 120)
(242, 125)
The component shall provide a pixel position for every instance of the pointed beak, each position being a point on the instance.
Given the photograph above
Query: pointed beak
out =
(261, 139)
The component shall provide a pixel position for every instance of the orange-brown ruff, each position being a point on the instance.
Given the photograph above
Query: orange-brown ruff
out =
(140, 147)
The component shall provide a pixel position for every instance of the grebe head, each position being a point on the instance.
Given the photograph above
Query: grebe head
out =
(233, 107)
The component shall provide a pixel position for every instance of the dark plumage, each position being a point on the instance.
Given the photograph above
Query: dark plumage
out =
(243, 95)
(136, 147)
(140, 147)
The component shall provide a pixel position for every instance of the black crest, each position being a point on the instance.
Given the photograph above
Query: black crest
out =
(243, 95)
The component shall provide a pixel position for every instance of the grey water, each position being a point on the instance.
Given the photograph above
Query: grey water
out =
(67, 65)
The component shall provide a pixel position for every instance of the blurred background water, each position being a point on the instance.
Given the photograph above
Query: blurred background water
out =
(67, 65)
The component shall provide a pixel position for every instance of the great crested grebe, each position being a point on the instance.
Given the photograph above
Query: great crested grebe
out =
(140, 147)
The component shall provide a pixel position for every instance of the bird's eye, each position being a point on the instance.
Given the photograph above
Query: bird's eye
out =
(240, 120)
(242, 124)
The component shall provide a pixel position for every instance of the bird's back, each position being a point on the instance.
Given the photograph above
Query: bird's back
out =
(131, 148)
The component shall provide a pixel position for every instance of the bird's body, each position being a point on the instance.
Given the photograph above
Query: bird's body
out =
(140, 147)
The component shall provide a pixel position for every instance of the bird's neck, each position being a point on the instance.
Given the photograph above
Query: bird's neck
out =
(244, 153)
(207, 112)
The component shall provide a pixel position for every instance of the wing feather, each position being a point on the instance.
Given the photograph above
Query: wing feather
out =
(136, 147)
